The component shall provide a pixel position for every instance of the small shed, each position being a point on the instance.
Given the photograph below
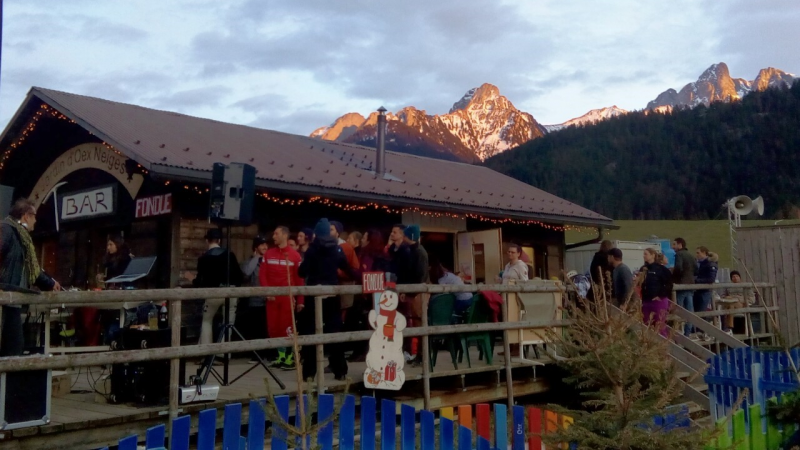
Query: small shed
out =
(579, 258)
(772, 254)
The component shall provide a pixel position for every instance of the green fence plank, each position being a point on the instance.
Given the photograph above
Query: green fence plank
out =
(740, 431)
(774, 436)
(757, 437)
(724, 439)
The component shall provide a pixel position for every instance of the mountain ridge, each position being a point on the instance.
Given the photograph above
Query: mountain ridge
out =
(716, 84)
(483, 123)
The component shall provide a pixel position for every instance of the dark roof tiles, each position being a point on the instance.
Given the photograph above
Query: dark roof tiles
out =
(164, 138)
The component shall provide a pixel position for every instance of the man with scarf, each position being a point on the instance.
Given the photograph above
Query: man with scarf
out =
(19, 268)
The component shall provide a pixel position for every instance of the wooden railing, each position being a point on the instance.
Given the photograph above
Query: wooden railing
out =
(176, 352)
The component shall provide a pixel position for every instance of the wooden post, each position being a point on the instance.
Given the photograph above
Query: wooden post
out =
(426, 357)
(507, 357)
(318, 327)
(175, 363)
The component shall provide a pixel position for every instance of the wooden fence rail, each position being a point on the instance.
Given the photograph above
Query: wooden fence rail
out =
(176, 352)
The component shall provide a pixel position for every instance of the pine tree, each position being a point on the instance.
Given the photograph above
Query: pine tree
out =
(625, 373)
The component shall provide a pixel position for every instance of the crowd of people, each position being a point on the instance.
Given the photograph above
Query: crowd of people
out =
(327, 256)
(656, 279)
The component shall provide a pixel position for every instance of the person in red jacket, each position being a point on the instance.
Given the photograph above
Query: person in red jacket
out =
(345, 301)
(280, 269)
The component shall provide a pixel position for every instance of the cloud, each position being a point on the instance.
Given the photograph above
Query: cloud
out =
(756, 35)
(191, 98)
(298, 121)
(390, 52)
(260, 102)
(294, 66)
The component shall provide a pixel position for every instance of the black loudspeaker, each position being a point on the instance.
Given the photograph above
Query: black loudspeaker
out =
(25, 399)
(6, 196)
(233, 191)
(144, 382)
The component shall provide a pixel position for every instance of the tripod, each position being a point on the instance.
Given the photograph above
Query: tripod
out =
(224, 336)
(207, 368)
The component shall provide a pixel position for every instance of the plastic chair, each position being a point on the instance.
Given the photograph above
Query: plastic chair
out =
(479, 312)
(440, 312)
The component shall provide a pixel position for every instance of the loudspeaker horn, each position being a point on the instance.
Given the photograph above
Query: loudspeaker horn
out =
(758, 205)
(741, 205)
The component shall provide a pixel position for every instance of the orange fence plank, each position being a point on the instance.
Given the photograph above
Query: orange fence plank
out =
(465, 416)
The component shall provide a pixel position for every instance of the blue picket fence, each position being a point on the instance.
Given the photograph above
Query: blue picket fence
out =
(766, 375)
(522, 431)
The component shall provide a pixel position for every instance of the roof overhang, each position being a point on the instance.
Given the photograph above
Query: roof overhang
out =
(204, 177)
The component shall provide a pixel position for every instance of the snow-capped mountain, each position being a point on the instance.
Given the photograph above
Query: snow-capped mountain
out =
(716, 84)
(484, 123)
(593, 116)
(481, 124)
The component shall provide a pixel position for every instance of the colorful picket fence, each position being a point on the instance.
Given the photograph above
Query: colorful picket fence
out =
(767, 375)
(475, 431)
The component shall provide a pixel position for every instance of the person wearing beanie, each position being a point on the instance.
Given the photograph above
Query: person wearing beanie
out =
(252, 310)
(320, 266)
(304, 238)
(280, 268)
(420, 274)
(216, 267)
(419, 256)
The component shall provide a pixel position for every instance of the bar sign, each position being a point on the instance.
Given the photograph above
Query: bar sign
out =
(372, 282)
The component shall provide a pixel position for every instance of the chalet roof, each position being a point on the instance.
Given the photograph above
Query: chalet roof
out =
(180, 146)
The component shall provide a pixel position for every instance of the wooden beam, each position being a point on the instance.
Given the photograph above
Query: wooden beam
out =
(160, 295)
(37, 362)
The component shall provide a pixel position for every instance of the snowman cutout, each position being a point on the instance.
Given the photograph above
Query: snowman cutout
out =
(385, 357)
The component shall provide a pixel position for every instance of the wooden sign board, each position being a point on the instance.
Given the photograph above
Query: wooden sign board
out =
(372, 282)
(154, 206)
(89, 203)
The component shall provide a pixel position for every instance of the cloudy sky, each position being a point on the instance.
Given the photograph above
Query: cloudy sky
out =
(294, 65)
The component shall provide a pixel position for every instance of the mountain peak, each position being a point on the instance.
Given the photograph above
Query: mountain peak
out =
(772, 77)
(716, 84)
(340, 129)
(479, 95)
(483, 123)
(463, 102)
(715, 72)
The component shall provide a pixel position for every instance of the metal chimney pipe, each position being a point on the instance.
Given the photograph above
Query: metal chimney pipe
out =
(380, 154)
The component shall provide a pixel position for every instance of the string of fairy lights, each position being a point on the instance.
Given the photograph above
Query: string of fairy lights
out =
(45, 111)
(287, 201)
(27, 130)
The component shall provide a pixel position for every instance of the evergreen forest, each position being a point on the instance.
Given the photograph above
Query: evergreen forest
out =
(680, 165)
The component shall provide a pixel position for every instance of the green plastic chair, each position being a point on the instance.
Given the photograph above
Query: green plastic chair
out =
(479, 312)
(440, 312)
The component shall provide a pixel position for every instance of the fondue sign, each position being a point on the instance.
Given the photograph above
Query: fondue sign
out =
(86, 204)
(154, 206)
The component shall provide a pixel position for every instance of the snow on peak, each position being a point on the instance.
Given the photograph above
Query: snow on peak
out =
(593, 116)
(716, 84)
(462, 104)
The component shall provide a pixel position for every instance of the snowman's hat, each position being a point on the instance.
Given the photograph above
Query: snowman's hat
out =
(390, 281)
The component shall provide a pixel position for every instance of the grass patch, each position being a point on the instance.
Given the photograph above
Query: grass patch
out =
(710, 233)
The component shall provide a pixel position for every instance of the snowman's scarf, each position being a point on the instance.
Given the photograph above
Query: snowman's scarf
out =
(388, 329)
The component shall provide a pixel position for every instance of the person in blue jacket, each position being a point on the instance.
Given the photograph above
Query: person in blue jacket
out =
(706, 274)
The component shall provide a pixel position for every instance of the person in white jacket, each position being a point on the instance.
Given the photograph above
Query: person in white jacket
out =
(515, 269)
